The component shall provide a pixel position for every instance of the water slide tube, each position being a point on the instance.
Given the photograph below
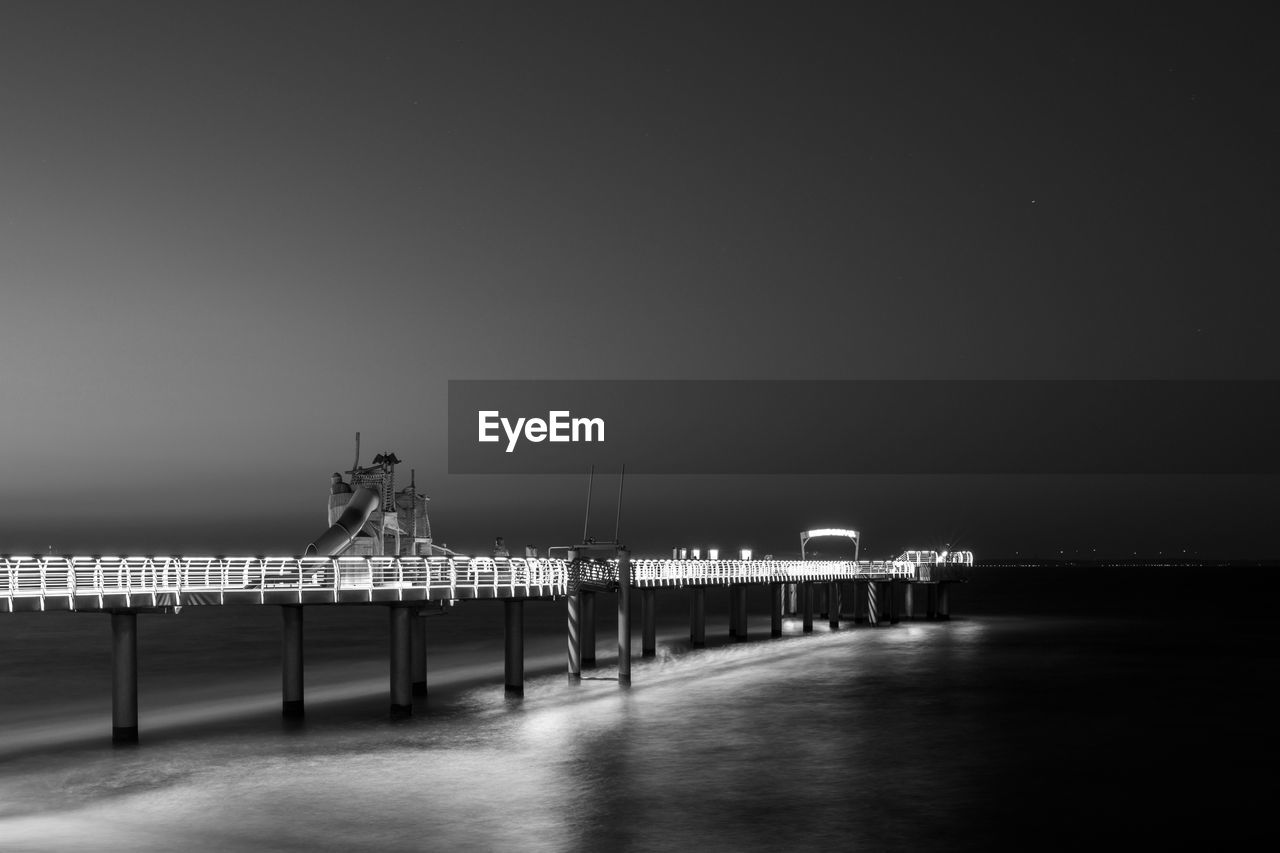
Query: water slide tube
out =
(335, 540)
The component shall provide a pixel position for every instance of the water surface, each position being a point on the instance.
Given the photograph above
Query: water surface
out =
(1051, 711)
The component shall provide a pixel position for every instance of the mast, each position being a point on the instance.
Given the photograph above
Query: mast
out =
(617, 520)
(586, 520)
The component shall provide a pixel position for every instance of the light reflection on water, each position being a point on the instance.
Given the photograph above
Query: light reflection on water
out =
(711, 742)
(920, 736)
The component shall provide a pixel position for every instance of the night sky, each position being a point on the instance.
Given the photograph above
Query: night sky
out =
(233, 234)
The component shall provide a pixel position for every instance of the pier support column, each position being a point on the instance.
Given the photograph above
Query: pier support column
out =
(740, 606)
(775, 609)
(908, 604)
(698, 617)
(401, 652)
(624, 617)
(807, 595)
(873, 605)
(513, 611)
(419, 653)
(944, 601)
(833, 604)
(648, 627)
(931, 601)
(588, 628)
(792, 603)
(733, 610)
(572, 606)
(124, 677)
(291, 660)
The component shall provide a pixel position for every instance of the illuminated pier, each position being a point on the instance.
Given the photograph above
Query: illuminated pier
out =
(105, 584)
(378, 550)
(126, 586)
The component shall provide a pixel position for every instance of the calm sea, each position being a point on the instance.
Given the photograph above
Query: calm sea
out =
(1058, 708)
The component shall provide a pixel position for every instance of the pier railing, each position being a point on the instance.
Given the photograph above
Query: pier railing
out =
(210, 580)
(683, 572)
(74, 582)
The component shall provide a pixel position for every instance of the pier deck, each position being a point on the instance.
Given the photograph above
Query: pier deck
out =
(99, 583)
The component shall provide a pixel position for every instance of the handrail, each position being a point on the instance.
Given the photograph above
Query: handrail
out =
(72, 577)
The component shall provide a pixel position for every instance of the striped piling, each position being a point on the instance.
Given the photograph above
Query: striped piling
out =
(575, 636)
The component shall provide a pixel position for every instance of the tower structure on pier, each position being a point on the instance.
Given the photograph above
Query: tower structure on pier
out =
(399, 526)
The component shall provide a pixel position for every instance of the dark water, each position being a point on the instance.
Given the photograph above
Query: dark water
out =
(1059, 708)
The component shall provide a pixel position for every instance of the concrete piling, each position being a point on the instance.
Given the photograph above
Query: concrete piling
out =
(698, 617)
(291, 661)
(513, 611)
(588, 628)
(931, 601)
(733, 610)
(648, 628)
(944, 601)
(873, 608)
(740, 607)
(419, 653)
(908, 603)
(775, 609)
(807, 595)
(833, 604)
(401, 677)
(124, 677)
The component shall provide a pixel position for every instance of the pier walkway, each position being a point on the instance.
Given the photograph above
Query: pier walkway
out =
(100, 583)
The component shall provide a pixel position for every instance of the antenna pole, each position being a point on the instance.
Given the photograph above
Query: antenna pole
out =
(617, 521)
(591, 476)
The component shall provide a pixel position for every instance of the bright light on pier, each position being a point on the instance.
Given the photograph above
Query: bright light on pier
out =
(831, 531)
